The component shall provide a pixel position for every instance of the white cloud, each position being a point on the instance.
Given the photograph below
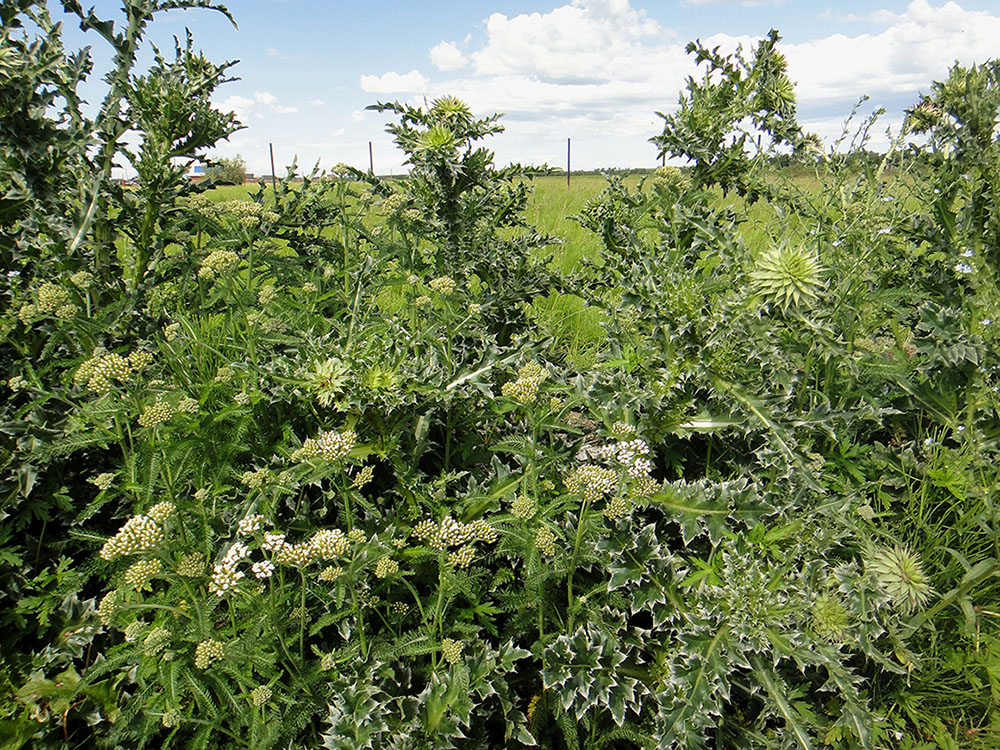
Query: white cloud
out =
(315, 102)
(597, 70)
(264, 97)
(919, 46)
(284, 110)
(447, 56)
(394, 83)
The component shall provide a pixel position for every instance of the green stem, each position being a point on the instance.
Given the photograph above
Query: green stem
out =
(570, 609)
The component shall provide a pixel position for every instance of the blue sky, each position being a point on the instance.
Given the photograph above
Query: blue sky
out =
(592, 70)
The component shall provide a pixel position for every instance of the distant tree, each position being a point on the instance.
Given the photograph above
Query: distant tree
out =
(227, 171)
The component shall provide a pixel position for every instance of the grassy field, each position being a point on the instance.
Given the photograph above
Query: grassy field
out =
(550, 208)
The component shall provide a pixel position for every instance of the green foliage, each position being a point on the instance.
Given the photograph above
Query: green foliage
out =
(357, 463)
(227, 171)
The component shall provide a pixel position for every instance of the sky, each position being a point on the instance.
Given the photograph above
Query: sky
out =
(595, 71)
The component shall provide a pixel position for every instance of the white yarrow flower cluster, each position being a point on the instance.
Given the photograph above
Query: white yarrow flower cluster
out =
(139, 534)
(328, 446)
(249, 524)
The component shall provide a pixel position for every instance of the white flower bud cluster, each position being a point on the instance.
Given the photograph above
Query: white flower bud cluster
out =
(162, 511)
(266, 295)
(82, 279)
(592, 481)
(139, 534)
(133, 630)
(451, 650)
(257, 479)
(262, 569)
(385, 567)
(357, 536)
(192, 565)
(444, 285)
(155, 414)
(17, 383)
(51, 297)
(249, 524)
(226, 572)
(524, 389)
(247, 213)
(188, 405)
(218, 263)
(207, 653)
(310, 288)
(139, 359)
(328, 446)
(103, 481)
(393, 203)
(545, 541)
(462, 557)
(523, 507)
(632, 454)
(242, 398)
(139, 573)
(172, 331)
(484, 532)
(225, 575)
(363, 477)
(333, 572)
(447, 533)
(273, 541)
(328, 544)
(259, 696)
(617, 507)
(643, 486)
(98, 372)
(422, 301)
(622, 431)
(108, 606)
(296, 555)
(224, 374)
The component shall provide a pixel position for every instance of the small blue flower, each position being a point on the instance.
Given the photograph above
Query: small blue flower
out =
(963, 268)
(884, 230)
(968, 254)
(836, 243)
(986, 321)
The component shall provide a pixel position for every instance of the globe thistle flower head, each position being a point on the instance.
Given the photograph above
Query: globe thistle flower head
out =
(899, 574)
(829, 617)
(787, 276)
